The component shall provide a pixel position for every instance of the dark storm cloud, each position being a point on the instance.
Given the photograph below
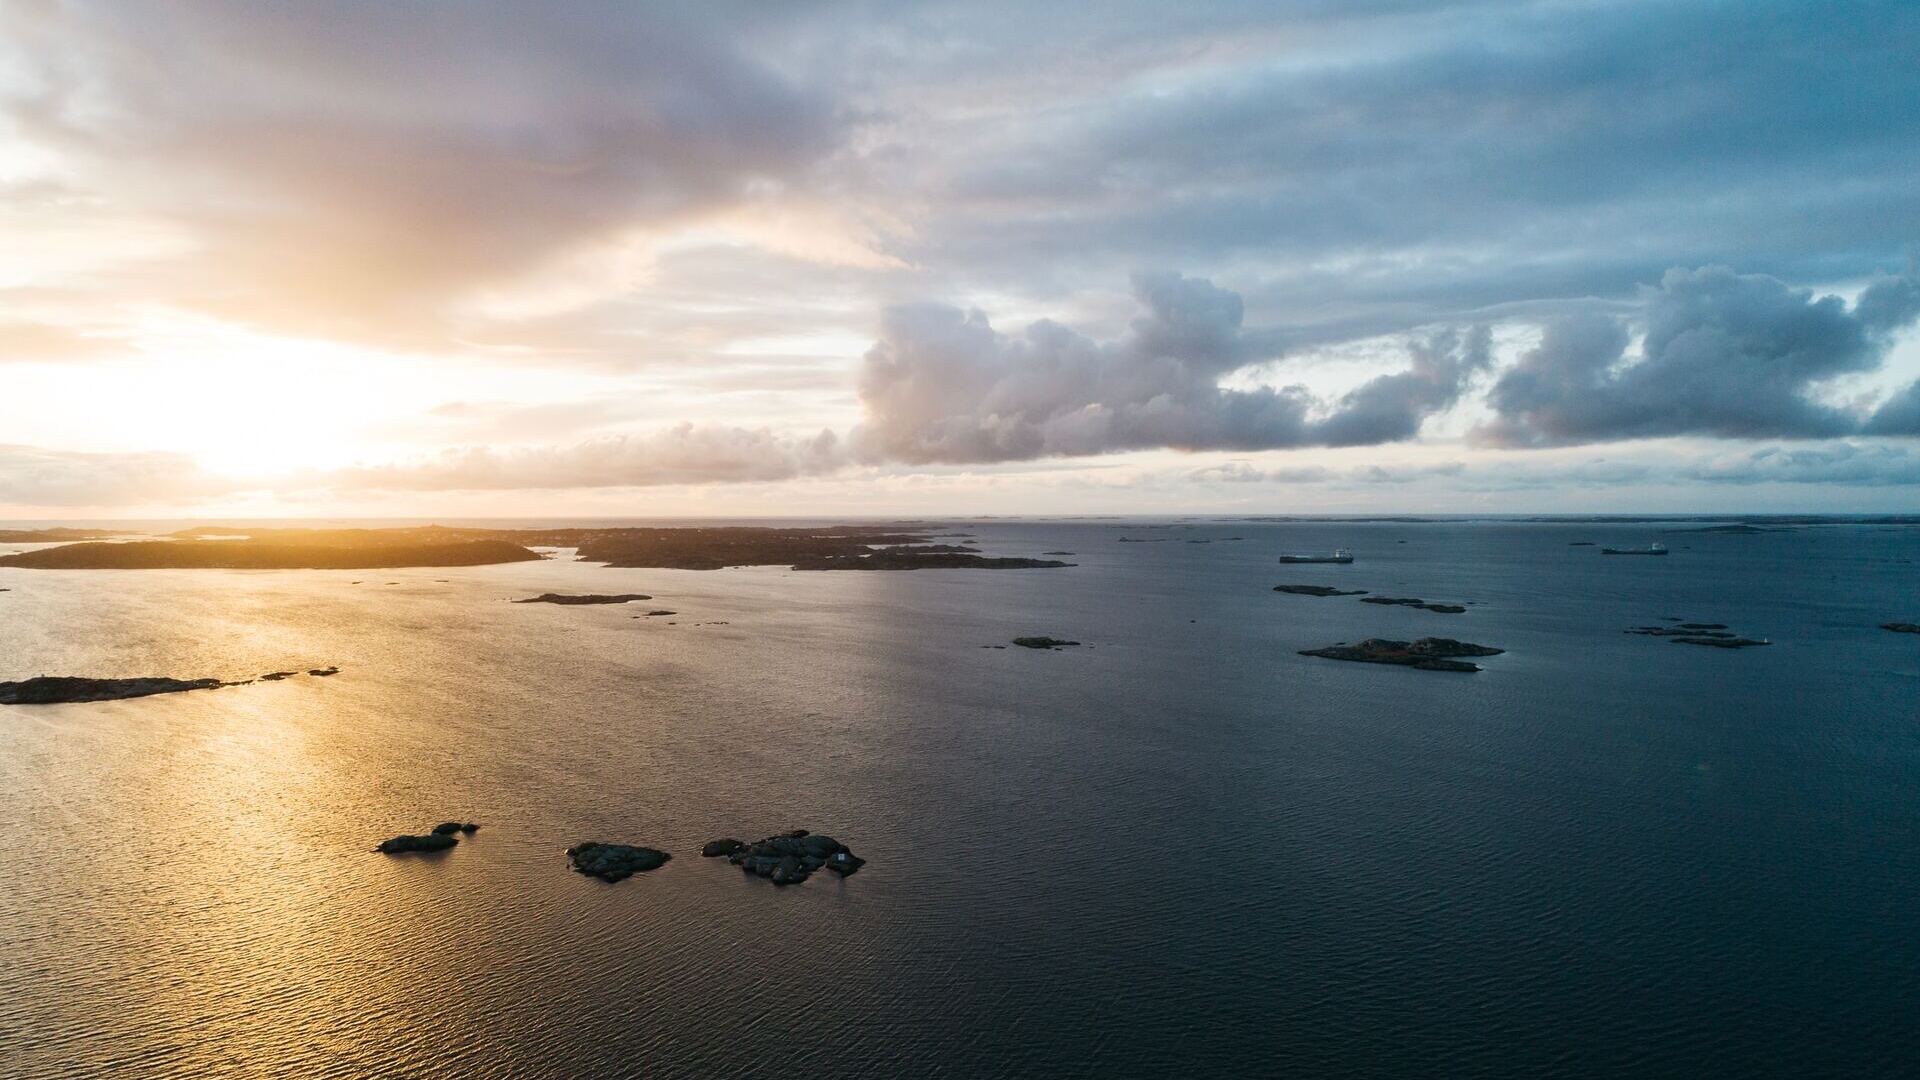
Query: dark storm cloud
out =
(1723, 354)
(942, 385)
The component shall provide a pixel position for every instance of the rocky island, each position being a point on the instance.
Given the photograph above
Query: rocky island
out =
(439, 838)
(613, 862)
(281, 549)
(1714, 635)
(59, 689)
(1041, 642)
(834, 547)
(585, 598)
(1414, 602)
(1426, 654)
(65, 689)
(1316, 590)
(789, 858)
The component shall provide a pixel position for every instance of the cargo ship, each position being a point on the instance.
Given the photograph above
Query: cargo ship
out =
(1339, 555)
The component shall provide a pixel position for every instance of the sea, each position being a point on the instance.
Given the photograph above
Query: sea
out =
(1179, 848)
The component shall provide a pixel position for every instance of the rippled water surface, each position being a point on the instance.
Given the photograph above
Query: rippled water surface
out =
(1182, 849)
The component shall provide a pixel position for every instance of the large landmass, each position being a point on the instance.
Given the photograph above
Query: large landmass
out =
(838, 547)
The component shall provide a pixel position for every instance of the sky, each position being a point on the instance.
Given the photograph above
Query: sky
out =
(263, 258)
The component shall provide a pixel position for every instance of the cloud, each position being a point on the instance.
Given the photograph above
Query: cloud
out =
(1723, 354)
(684, 454)
(36, 476)
(51, 341)
(943, 386)
(356, 172)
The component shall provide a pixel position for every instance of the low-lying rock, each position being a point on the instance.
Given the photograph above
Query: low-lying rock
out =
(716, 848)
(1316, 590)
(1427, 654)
(1414, 602)
(276, 676)
(323, 672)
(1901, 627)
(60, 689)
(1721, 641)
(448, 828)
(587, 598)
(1056, 553)
(612, 862)
(1699, 633)
(789, 858)
(1043, 642)
(408, 842)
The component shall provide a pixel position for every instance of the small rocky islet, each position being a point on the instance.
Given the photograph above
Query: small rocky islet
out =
(1415, 602)
(1713, 635)
(788, 858)
(1316, 590)
(614, 862)
(584, 598)
(439, 838)
(1426, 654)
(1043, 642)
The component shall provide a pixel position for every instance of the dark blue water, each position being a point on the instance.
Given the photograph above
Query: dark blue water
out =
(1181, 849)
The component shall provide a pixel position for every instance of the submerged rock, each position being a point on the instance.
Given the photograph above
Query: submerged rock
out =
(791, 857)
(717, 848)
(1427, 654)
(1901, 627)
(1316, 590)
(59, 689)
(588, 598)
(1043, 642)
(612, 862)
(276, 676)
(407, 842)
(1721, 641)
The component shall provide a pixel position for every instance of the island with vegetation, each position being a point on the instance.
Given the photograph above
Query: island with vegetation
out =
(832, 547)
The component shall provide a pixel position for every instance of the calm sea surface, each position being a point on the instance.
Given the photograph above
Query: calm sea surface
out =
(1181, 850)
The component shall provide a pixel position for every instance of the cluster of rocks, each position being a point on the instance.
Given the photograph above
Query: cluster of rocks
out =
(1714, 635)
(439, 838)
(787, 859)
(613, 862)
(588, 598)
(1414, 602)
(1426, 654)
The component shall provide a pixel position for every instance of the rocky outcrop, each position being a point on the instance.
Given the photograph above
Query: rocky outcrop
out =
(789, 858)
(323, 672)
(1427, 654)
(60, 689)
(1415, 602)
(408, 842)
(1043, 642)
(1316, 590)
(585, 598)
(612, 862)
(1698, 633)
(448, 828)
